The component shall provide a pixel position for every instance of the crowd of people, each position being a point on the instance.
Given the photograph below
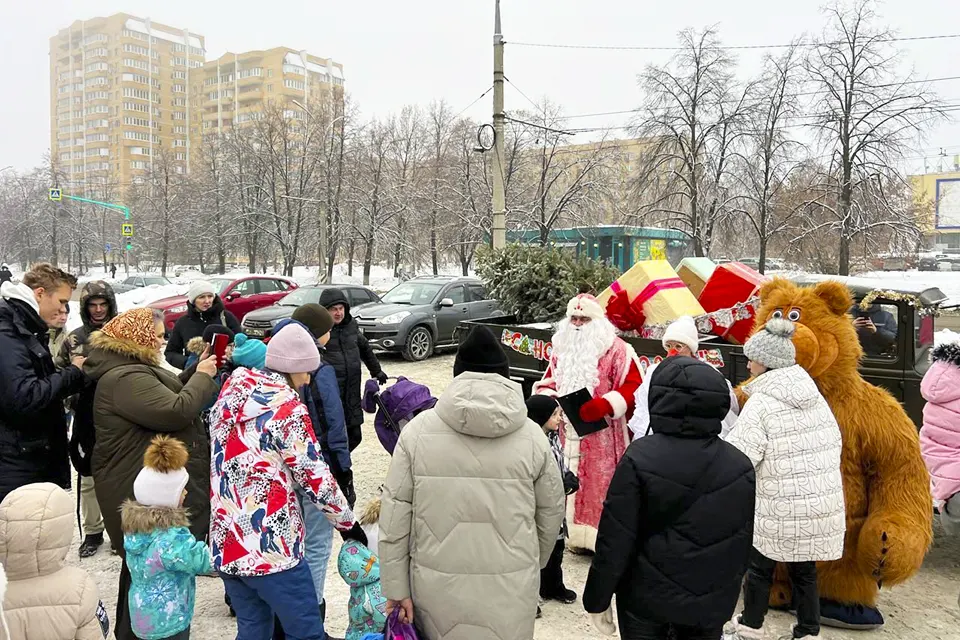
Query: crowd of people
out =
(239, 466)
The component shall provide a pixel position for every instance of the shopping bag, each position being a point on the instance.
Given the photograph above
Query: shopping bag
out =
(396, 630)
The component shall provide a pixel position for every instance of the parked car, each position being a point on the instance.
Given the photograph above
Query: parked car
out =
(260, 323)
(240, 296)
(421, 315)
(136, 282)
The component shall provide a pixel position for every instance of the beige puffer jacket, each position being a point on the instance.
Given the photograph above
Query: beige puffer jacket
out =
(471, 509)
(45, 600)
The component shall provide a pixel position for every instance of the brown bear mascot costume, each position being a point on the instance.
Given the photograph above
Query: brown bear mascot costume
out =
(885, 483)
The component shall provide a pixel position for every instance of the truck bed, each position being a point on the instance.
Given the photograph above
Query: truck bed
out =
(528, 348)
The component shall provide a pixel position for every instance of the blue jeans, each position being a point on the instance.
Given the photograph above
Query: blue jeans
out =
(318, 541)
(288, 594)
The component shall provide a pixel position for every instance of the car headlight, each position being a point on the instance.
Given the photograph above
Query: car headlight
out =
(395, 318)
(178, 309)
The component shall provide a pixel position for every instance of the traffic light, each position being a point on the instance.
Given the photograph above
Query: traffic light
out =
(129, 245)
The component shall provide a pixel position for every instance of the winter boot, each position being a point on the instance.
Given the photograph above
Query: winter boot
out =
(566, 596)
(91, 544)
(735, 630)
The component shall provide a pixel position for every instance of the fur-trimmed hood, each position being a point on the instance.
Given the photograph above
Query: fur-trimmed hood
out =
(138, 518)
(196, 345)
(948, 353)
(107, 352)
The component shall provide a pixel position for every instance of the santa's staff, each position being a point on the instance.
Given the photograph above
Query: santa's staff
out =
(588, 354)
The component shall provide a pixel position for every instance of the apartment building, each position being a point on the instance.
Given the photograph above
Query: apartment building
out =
(234, 89)
(120, 96)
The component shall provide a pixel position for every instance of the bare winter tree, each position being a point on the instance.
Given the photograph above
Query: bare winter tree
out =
(867, 115)
(693, 116)
(768, 154)
(162, 202)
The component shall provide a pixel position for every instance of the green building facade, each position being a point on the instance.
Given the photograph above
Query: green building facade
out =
(620, 247)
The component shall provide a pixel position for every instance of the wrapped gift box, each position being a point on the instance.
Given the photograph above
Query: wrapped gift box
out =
(731, 283)
(656, 293)
(695, 272)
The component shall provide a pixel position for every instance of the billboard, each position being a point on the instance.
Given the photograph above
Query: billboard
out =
(947, 215)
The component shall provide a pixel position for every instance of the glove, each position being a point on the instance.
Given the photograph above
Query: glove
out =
(382, 378)
(595, 410)
(571, 483)
(604, 622)
(345, 480)
(355, 534)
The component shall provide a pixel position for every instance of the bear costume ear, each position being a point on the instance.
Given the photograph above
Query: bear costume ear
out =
(777, 284)
(836, 295)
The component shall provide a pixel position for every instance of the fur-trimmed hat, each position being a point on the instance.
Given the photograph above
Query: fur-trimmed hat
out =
(584, 306)
(948, 352)
(772, 346)
(163, 478)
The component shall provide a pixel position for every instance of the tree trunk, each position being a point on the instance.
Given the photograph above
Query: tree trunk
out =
(351, 253)
(368, 261)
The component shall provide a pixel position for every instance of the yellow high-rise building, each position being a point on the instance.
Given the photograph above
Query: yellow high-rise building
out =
(120, 96)
(234, 88)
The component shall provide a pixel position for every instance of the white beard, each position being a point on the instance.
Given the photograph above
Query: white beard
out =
(578, 351)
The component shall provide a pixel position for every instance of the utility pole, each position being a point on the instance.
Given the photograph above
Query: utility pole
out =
(499, 196)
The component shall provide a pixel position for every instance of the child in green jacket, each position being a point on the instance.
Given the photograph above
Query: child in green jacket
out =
(162, 555)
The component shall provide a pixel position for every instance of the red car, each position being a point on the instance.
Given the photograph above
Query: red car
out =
(240, 296)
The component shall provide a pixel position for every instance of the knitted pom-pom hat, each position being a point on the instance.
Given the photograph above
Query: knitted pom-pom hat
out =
(163, 478)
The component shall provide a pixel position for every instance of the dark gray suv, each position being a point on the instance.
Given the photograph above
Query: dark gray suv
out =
(419, 316)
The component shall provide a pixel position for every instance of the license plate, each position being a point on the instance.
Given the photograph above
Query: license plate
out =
(255, 333)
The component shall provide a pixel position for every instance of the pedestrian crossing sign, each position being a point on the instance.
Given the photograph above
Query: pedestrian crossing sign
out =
(56, 195)
(126, 230)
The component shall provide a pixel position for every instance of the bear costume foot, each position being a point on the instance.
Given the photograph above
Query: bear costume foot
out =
(849, 616)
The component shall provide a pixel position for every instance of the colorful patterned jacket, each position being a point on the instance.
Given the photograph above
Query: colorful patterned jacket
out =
(263, 447)
(360, 569)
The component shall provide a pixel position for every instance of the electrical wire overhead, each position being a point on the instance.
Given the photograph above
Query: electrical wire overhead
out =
(805, 45)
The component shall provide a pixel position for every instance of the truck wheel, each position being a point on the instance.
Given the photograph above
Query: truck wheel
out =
(419, 345)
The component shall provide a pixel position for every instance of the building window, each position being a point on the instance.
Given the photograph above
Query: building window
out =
(294, 84)
(249, 73)
(178, 75)
(95, 95)
(178, 62)
(136, 77)
(142, 51)
(269, 88)
(97, 66)
(292, 68)
(179, 143)
(179, 88)
(99, 81)
(141, 137)
(143, 65)
(139, 151)
(137, 122)
(179, 115)
(138, 164)
(180, 156)
(178, 102)
(99, 108)
(269, 73)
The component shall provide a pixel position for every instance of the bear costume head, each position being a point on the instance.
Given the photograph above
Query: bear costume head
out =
(825, 338)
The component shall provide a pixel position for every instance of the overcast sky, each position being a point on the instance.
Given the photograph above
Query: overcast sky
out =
(398, 52)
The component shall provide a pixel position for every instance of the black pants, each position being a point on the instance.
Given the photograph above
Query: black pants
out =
(635, 628)
(551, 576)
(756, 594)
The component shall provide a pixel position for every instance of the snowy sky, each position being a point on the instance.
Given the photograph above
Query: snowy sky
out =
(397, 52)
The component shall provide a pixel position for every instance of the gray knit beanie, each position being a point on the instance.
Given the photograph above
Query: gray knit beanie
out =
(772, 346)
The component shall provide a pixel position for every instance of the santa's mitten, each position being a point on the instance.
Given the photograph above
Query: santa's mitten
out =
(596, 410)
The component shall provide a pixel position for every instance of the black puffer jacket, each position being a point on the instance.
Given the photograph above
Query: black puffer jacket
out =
(346, 349)
(665, 565)
(192, 325)
(33, 424)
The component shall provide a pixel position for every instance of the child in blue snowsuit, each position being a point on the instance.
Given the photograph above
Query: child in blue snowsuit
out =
(163, 556)
(360, 569)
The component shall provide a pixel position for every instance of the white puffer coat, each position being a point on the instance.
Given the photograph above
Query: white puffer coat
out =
(787, 429)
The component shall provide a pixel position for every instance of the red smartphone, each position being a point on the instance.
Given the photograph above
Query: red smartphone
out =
(220, 343)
